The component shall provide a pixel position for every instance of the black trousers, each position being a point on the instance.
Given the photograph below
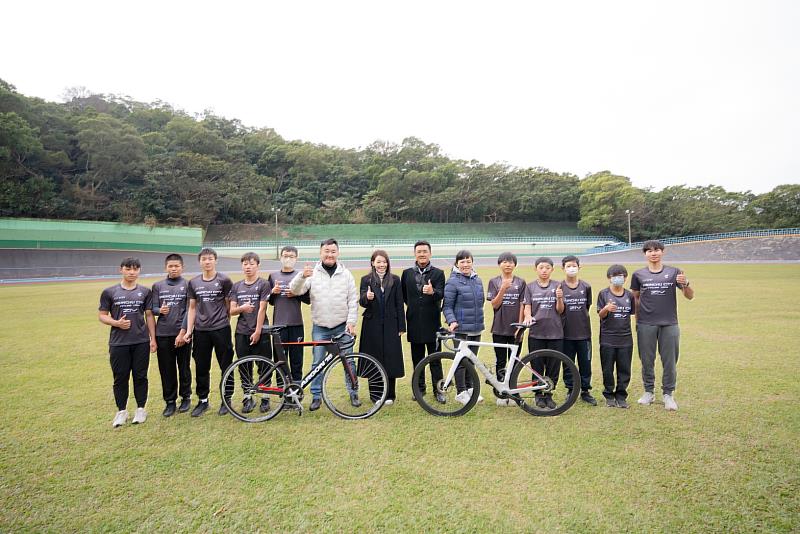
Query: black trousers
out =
(551, 367)
(464, 381)
(204, 342)
(294, 353)
(582, 349)
(417, 355)
(502, 354)
(174, 366)
(621, 358)
(244, 348)
(127, 360)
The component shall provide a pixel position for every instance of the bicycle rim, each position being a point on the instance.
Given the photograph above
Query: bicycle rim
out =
(553, 398)
(354, 386)
(258, 392)
(427, 383)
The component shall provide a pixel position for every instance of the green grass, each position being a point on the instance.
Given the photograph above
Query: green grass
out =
(430, 231)
(726, 462)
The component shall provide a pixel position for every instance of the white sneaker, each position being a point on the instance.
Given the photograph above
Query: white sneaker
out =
(670, 404)
(120, 419)
(140, 416)
(480, 397)
(647, 399)
(463, 397)
(502, 402)
(388, 402)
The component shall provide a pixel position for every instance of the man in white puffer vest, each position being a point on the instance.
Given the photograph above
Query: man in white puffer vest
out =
(334, 307)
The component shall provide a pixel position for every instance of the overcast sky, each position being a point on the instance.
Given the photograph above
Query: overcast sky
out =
(681, 92)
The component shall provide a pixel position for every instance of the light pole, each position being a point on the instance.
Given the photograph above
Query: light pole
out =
(277, 249)
(629, 212)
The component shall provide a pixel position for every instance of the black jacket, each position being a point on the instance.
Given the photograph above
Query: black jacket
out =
(423, 312)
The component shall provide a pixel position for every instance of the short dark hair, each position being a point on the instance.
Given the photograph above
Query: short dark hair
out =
(173, 257)
(422, 243)
(206, 251)
(463, 254)
(251, 256)
(616, 270)
(131, 263)
(290, 248)
(567, 259)
(330, 241)
(543, 260)
(652, 244)
(506, 256)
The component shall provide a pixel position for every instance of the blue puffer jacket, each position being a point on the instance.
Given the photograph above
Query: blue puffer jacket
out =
(463, 302)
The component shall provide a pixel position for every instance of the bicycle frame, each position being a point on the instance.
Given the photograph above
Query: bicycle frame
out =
(464, 351)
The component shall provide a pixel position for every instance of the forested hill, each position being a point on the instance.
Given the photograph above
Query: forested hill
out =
(105, 157)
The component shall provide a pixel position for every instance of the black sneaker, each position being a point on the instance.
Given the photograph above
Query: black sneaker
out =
(223, 409)
(316, 402)
(440, 398)
(540, 402)
(200, 409)
(186, 403)
(611, 403)
(248, 405)
(621, 402)
(587, 398)
(548, 400)
(169, 410)
(264, 407)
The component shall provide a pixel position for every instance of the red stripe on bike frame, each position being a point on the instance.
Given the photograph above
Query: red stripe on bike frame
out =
(527, 385)
(306, 343)
(268, 389)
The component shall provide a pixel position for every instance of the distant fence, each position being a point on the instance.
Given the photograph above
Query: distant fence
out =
(94, 235)
(376, 242)
(697, 238)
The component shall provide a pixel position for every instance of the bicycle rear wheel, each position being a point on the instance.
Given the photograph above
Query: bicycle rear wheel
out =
(260, 394)
(354, 386)
(549, 400)
(446, 402)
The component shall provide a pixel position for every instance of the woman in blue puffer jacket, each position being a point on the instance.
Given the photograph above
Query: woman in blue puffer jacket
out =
(463, 311)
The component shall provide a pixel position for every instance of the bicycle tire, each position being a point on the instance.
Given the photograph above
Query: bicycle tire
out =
(249, 388)
(527, 401)
(430, 403)
(336, 385)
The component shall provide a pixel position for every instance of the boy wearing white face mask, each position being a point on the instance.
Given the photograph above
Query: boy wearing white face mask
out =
(286, 309)
(615, 305)
(577, 328)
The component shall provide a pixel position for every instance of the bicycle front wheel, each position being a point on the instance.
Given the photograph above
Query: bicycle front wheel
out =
(458, 397)
(259, 396)
(540, 370)
(354, 386)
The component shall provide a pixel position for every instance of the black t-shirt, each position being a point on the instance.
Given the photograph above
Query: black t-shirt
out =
(549, 323)
(254, 293)
(132, 303)
(285, 309)
(615, 328)
(171, 292)
(658, 304)
(508, 312)
(211, 313)
(576, 310)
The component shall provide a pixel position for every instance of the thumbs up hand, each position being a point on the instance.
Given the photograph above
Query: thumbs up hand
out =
(164, 309)
(611, 307)
(681, 278)
(370, 294)
(123, 323)
(247, 307)
(308, 270)
(277, 289)
(559, 292)
(428, 288)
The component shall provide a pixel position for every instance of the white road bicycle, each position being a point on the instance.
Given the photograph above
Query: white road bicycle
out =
(530, 382)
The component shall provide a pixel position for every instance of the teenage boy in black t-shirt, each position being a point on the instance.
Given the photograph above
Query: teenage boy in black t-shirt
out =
(654, 288)
(125, 307)
(209, 323)
(543, 310)
(577, 328)
(248, 300)
(615, 305)
(169, 305)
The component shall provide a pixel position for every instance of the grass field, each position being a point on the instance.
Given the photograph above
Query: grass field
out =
(728, 461)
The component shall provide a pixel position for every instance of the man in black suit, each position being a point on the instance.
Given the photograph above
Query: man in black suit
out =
(423, 290)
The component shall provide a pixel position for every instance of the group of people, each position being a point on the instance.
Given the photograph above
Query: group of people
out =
(181, 319)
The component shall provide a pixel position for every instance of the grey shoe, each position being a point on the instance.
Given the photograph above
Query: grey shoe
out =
(669, 403)
(622, 403)
(354, 400)
(316, 402)
(647, 399)
(611, 403)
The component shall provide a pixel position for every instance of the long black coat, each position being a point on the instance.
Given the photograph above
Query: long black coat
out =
(381, 326)
(423, 312)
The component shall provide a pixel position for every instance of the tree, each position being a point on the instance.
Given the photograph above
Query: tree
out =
(603, 200)
(780, 208)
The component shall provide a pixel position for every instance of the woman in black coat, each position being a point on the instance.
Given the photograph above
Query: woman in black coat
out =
(384, 322)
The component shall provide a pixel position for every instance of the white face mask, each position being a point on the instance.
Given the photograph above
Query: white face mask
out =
(571, 271)
(288, 262)
(617, 281)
